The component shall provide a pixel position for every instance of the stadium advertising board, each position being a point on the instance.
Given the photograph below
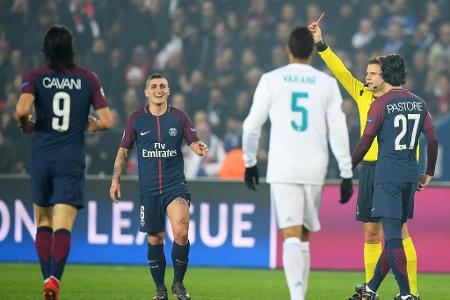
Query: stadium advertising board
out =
(339, 245)
(229, 225)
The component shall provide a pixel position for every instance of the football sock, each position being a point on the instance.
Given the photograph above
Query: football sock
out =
(381, 269)
(180, 259)
(372, 253)
(43, 245)
(157, 263)
(411, 262)
(397, 261)
(293, 265)
(59, 252)
(306, 265)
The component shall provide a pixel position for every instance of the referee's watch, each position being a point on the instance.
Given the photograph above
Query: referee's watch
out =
(321, 46)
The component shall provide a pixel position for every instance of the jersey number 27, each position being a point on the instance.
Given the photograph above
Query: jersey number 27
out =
(402, 121)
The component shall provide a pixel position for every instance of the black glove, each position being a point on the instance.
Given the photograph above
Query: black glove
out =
(346, 190)
(251, 177)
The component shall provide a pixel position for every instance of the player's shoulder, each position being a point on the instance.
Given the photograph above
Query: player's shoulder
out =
(89, 75)
(179, 113)
(42, 70)
(139, 112)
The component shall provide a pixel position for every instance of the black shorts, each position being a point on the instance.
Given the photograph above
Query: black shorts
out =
(394, 200)
(365, 193)
(60, 181)
(152, 210)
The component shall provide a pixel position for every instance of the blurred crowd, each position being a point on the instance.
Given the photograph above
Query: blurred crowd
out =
(213, 54)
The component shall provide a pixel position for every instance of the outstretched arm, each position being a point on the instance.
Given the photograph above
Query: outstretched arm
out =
(119, 163)
(334, 63)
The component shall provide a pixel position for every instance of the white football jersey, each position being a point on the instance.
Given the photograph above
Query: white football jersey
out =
(304, 107)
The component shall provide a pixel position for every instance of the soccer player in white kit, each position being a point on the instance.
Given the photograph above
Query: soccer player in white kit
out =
(304, 107)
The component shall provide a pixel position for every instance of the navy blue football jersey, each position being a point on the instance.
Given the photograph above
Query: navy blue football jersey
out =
(62, 104)
(397, 119)
(158, 141)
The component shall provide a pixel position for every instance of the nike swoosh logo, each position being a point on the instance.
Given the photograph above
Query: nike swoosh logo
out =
(144, 133)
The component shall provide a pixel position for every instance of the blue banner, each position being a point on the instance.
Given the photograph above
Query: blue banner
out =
(229, 226)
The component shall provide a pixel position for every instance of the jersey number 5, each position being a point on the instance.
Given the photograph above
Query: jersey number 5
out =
(296, 107)
(61, 110)
(402, 121)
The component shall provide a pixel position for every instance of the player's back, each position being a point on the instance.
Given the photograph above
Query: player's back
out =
(62, 105)
(300, 98)
(403, 115)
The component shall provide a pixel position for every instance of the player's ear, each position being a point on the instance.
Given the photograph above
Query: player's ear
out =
(145, 93)
(168, 92)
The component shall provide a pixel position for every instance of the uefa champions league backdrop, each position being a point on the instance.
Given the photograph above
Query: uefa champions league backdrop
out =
(230, 227)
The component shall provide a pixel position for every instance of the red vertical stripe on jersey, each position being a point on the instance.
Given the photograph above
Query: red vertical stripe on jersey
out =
(158, 125)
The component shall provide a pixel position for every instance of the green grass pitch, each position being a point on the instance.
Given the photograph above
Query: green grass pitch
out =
(23, 281)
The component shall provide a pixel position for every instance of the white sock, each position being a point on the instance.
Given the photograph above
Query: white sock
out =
(293, 267)
(306, 265)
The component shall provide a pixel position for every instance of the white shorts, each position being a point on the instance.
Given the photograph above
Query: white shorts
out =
(296, 205)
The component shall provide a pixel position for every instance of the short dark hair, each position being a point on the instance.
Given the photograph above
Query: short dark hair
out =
(153, 76)
(301, 42)
(375, 60)
(393, 69)
(58, 48)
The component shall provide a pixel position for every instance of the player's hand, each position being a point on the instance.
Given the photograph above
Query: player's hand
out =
(115, 190)
(91, 124)
(315, 29)
(251, 177)
(424, 180)
(27, 126)
(200, 148)
(346, 190)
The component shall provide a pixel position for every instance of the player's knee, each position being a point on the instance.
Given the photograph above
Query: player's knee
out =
(180, 236)
(372, 236)
(155, 239)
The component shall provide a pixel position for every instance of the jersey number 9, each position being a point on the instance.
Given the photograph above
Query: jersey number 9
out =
(61, 110)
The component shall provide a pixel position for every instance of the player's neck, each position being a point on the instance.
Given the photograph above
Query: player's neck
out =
(158, 109)
(299, 61)
(387, 87)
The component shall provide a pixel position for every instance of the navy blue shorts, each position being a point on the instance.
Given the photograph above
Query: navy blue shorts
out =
(59, 181)
(394, 200)
(152, 210)
(365, 193)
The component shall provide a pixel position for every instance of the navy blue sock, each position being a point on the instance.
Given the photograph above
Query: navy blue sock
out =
(381, 269)
(180, 259)
(59, 252)
(397, 261)
(43, 243)
(157, 263)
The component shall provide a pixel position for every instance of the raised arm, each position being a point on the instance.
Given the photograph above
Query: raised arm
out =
(119, 164)
(334, 63)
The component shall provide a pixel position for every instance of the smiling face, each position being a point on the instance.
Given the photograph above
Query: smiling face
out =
(157, 91)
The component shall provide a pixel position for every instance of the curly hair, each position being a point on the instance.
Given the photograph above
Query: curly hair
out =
(393, 69)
